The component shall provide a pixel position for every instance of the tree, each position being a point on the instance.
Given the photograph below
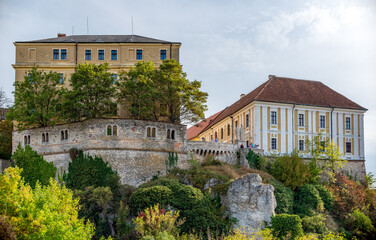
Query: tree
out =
(4, 101)
(163, 94)
(6, 128)
(47, 212)
(137, 91)
(37, 99)
(92, 94)
(35, 168)
(183, 101)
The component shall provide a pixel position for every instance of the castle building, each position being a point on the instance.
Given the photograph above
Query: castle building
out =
(279, 115)
(63, 53)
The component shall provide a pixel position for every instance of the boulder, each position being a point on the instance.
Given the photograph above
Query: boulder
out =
(250, 202)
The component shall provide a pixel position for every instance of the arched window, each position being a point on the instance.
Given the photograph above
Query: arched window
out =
(62, 135)
(148, 134)
(221, 133)
(28, 140)
(46, 137)
(153, 132)
(66, 134)
(173, 134)
(228, 130)
(216, 136)
(43, 138)
(114, 130)
(168, 133)
(25, 140)
(109, 130)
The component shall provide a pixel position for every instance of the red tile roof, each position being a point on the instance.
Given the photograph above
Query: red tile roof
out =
(195, 130)
(288, 90)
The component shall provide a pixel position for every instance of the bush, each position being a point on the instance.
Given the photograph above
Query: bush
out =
(326, 197)
(47, 212)
(85, 171)
(307, 201)
(147, 197)
(348, 196)
(314, 224)
(360, 225)
(287, 225)
(6, 229)
(291, 170)
(253, 160)
(201, 212)
(34, 167)
(284, 197)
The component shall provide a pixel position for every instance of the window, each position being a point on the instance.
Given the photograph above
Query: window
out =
(100, 54)
(112, 130)
(221, 133)
(168, 133)
(139, 55)
(274, 143)
(88, 55)
(301, 145)
(30, 79)
(274, 117)
(114, 78)
(173, 134)
(56, 54)
(150, 132)
(113, 54)
(27, 140)
(63, 54)
(246, 120)
(228, 130)
(322, 146)
(348, 123)
(236, 123)
(348, 147)
(301, 120)
(163, 54)
(44, 137)
(64, 135)
(61, 80)
(322, 121)
(216, 136)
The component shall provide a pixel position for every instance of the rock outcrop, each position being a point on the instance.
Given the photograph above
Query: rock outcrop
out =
(250, 202)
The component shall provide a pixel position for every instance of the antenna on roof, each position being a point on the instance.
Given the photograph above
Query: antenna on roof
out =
(132, 24)
(87, 25)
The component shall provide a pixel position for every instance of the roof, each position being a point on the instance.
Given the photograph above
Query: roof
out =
(292, 91)
(195, 130)
(99, 39)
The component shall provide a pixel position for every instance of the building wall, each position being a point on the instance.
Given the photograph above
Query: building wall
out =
(287, 130)
(41, 54)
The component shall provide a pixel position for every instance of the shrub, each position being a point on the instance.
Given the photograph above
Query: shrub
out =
(147, 197)
(86, 170)
(6, 229)
(307, 201)
(35, 168)
(314, 224)
(348, 196)
(154, 221)
(284, 197)
(285, 224)
(291, 170)
(360, 225)
(253, 160)
(326, 197)
(45, 212)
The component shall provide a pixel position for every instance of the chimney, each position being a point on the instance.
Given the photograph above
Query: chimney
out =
(242, 95)
(61, 35)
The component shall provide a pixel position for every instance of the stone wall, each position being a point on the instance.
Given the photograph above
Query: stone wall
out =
(3, 165)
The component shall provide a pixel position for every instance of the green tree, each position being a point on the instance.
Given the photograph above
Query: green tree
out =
(35, 168)
(92, 95)
(182, 100)
(333, 160)
(138, 93)
(6, 129)
(37, 99)
(47, 212)
(291, 170)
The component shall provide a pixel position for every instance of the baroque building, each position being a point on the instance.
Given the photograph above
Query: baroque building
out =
(279, 115)
(63, 53)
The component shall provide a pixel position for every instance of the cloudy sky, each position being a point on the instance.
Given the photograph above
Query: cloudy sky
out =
(231, 46)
